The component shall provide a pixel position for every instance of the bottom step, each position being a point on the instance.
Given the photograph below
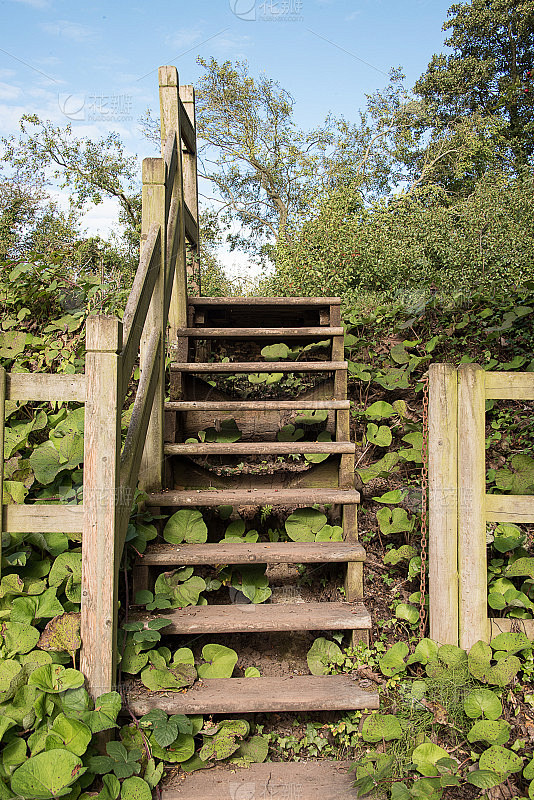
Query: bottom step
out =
(327, 780)
(249, 695)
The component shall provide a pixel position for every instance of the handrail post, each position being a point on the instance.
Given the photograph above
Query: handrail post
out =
(102, 443)
(189, 166)
(472, 558)
(170, 120)
(154, 210)
(443, 503)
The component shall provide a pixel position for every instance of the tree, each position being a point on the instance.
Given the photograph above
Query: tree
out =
(264, 168)
(488, 73)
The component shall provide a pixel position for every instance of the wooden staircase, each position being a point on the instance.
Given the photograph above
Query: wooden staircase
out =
(245, 325)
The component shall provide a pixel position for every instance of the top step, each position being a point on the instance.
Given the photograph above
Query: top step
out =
(264, 301)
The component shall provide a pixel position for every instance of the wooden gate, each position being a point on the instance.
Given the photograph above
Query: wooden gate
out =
(459, 506)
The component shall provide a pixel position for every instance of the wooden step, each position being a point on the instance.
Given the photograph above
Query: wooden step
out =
(290, 780)
(264, 301)
(253, 497)
(259, 333)
(257, 405)
(162, 555)
(264, 617)
(251, 695)
(257, 448)
(258, 366)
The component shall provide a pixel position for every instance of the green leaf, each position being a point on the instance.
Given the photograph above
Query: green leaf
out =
(511, 642)
(165, 729)
(407, 612)
(490, 731)
(507, 537)
(290, 433)
(69, 733)
(220, 662)
(425, 757)
(252, 672)
(394, 520)
(380, 409)
(483, 778)
(12, 676)
(54, 678)
(521, 567)
(321, 655)
(482, 702)
(105, 713)
(62, 633)
(276, 352)
(399, 354)
(180, 587)
(426, 650)
(404, 553)
(500, 674)
(19, 637)
(186, 525)
(176, 677)
(380, 436)
(253, 751)
(520, 478)
(44, 606)
(379, 468)
(304, 523)
(393, 497)
(378, 727)
(47, 775)
(136, 789)
(153, 774)
(330, 533)
(311, 417)
(392, 662)
(222, 743)
(500, 760)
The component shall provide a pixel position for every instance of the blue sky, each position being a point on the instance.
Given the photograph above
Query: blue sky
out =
(94, 64)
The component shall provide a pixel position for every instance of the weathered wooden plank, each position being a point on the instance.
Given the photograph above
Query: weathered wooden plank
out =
(258, 448)
(264, 301)
(176, 257)
(187, 125)
(265, 617)
(41, 386)
(509, 507)
(501, 625)
(191, 227)
(253, 497)
(42, 518)
(2, 434)
(253, 553)
(102, 504)
(262, 366)
(509, 385)
(135, 437)
(261, 333)
(170, 156)
(139, 301)
(154, 200)
(256, 405)
(443, 503)
(309, 780)
(249, 695)
(473, 618)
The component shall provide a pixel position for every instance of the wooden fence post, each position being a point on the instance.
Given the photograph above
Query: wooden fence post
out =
(2, 434)
(170, 120)
(154, 210)
(443, 503)
(102, 444)
(473, 614)
(189, 166)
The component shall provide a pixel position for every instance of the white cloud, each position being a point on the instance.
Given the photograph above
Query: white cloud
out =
(67, 29)
(34, 3)
(101, 220)
(8, 91)
(183, 38)
(353, 16)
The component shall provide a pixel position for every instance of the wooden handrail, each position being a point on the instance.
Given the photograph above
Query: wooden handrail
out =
(139, 301)
(44, 387)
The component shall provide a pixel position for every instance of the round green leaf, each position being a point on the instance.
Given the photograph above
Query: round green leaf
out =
(303, 524)
(490, 731)
(407, 612)
(54, 678)
(135, 789)
(500, 760)
(392, 662)
(381, 726)
(220, 660)
(69, 733)
(47, 775)
(321, 655)
(186, 525)
(482, 702)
